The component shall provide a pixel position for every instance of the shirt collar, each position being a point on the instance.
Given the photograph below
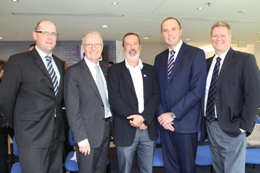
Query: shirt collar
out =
(90, 64)
(41, 53)
(140, 64)
(222, 56)
(177, 48)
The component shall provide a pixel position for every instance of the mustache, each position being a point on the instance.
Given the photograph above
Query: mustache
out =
(132, 51)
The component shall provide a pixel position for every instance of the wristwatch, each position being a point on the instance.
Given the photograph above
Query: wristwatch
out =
(173, 115)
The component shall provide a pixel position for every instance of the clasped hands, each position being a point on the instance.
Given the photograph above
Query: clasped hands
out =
(166, 121)
(137, 121)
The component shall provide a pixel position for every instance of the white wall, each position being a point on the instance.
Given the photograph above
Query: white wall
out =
(149, 51)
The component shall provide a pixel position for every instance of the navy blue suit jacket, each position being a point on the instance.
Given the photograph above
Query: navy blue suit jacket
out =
(182, 93)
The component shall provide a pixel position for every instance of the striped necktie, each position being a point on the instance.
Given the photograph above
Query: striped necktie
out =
(170, 64)
(52, 74)
(210, 110)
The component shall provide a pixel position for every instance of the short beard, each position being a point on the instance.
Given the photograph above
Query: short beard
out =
(133, 58)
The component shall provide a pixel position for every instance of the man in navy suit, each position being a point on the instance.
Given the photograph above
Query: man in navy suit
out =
(181, 72)
(237, 98)
(134, 97)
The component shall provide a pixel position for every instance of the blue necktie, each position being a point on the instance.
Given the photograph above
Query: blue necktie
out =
(210, 110)
(52, 74)
(101, 89)
(170, 64)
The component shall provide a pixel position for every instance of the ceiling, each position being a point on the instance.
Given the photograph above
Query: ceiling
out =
(75, 17)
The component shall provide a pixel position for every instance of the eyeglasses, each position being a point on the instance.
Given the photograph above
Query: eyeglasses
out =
(90, 45)
(48, 33)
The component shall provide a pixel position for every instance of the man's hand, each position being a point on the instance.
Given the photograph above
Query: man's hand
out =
(135, 120)
(85, 148)
(143, 127)
(166, 121)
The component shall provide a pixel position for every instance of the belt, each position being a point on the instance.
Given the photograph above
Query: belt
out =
(106, 119)
(215, 119)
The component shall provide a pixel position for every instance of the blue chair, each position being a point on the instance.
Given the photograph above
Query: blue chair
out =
(158, 157)
(16, 167)
(203, 156)
(72, 165)
(253, 156)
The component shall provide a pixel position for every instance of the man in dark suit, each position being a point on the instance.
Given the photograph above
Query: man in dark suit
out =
(87, 107)
(32, 104)
(181, 72)
(134, 97)
(231, 106)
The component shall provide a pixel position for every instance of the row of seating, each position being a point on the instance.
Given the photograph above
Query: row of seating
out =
(203, 157)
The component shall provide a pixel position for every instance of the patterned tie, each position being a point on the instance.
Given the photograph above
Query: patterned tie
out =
(101, 89)
(170, 64)
(52, 74)
(210, 111)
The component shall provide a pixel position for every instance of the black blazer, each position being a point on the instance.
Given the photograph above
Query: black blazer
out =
(238, 93)
(123, 102)
(28, 101)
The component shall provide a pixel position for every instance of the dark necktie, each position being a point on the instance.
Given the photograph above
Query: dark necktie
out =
(170, 64)
(101, 89)
(52, 74)
(210, 111)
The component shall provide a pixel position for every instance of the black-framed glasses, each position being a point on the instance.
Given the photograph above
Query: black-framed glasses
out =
(90, 45)
(48, 33)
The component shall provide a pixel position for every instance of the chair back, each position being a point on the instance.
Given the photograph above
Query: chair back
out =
(71, 142)
(15, 147)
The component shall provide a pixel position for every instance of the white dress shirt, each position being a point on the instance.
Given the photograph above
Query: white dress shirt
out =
(137, 79)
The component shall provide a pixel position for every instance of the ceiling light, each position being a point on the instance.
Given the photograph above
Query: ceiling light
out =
(114, 3)
(242, 11)
(104, 26)
(258, 41)
(1, 38)
(146, 38)
(14, 0)
(200, 8)
(187, 39)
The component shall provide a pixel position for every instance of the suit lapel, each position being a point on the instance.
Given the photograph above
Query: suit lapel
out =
(145, 84)
(178, 60)
(89, 78)
(227, 64)
(127, 76)
(41, 65)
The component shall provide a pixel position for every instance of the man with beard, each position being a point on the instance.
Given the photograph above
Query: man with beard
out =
(134, 98)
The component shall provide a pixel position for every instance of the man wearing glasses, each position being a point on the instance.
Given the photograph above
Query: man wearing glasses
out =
(87, 107)
(30, 98)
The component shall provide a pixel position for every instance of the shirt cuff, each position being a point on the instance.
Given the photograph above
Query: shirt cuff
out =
(85, 141)
(243, 131)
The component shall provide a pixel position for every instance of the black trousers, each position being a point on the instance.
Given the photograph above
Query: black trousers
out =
(4, 132)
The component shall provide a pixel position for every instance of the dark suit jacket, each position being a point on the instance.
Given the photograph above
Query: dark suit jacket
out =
(238, 93)
(28, 100)
(123, 102)
(183, 92)
(84, 106)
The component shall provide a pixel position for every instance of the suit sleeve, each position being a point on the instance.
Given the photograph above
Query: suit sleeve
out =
(251, 82)
(72, 103)
(197, 86)
(9, 88)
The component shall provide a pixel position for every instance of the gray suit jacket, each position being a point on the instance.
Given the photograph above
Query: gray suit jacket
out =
(28, 101)
(84, 106)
